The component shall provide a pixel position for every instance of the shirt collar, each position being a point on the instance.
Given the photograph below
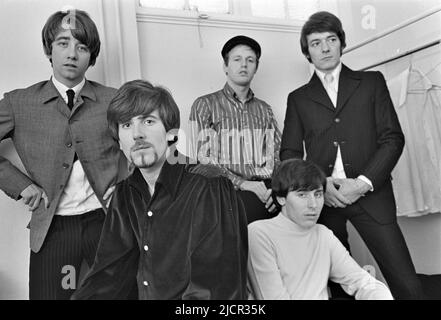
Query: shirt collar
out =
(230, 93)
(335, 73)
(169, 178)
(61, 88)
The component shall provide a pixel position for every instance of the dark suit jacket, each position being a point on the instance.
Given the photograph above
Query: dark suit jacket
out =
(364, 125)
(46, 135)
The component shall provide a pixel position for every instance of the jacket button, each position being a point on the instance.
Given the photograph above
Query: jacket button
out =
(337, 120)
(65, 165)
(335, 144)
(69, 145)
(146, 248)
(330, 166)
(150, 213)
(145, 283)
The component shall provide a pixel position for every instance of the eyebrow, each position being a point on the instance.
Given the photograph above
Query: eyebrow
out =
(306, 190)
(62, 38)
(120, 123)
(148, 116)
(319, 39)
(239, 55)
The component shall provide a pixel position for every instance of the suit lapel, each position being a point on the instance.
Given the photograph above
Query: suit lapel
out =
(317, 92)
(86, 92)
(347, 85)
(50, 93)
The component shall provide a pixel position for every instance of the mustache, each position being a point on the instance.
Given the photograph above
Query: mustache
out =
(140, 145)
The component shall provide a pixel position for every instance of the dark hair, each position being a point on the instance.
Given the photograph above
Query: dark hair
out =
(297, 175)
(140, 97)
(321, 21)
(80, 24)
(241, 40)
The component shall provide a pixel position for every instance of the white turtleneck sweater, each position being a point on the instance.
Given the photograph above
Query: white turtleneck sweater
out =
(289, 263)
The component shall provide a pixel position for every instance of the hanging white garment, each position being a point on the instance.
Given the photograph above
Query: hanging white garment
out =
(417, 175)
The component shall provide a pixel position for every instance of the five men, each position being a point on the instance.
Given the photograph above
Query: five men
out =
(348, 125)
(175, 230)
(236, 131)
(60, 132)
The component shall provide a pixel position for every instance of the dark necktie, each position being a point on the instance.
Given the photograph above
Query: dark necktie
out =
(70, 98)
(70, 103)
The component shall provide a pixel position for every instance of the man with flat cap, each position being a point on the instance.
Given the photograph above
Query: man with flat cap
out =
(236, 131)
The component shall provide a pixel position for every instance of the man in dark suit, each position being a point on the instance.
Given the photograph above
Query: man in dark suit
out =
(59, 129)
(348, 125)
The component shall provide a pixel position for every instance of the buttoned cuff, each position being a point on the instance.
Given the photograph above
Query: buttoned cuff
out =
(364, 179)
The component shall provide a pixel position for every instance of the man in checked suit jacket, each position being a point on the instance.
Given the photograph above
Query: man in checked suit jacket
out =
(72, 163)
(349, 127)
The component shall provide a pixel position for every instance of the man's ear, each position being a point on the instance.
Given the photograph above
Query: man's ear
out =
(224, 66)
(281, 200)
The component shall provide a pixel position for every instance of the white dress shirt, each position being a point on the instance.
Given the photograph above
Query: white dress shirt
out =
(78, 196)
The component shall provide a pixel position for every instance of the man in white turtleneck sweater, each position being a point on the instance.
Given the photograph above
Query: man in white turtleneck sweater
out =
(291, 256)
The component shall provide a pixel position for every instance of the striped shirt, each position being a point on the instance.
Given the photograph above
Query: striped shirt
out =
(241, 138)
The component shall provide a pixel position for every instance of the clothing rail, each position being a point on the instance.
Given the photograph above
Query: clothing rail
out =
(398, 56)
(395, 28)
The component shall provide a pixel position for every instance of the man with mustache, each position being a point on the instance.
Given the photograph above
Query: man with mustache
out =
(347, 124)
(235, 114)
(291, 256)
(60, 132)
(173, 232)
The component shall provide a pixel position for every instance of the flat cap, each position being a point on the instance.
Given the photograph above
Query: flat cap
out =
(244, 40)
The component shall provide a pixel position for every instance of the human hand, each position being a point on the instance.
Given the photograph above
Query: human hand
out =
(352, 189)
(32, 196)
(259, 189)
(270, 205)
(333, 197)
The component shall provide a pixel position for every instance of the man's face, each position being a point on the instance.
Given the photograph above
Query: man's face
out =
(242, 65)
(324, 49)
(143, 140)
(70, 59)
(303, 207)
